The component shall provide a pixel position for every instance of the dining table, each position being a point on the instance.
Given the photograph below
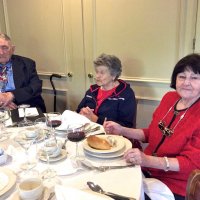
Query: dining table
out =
(72, 177)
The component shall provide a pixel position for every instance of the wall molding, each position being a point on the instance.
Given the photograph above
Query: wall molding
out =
(57, 89)
(146, 80)
(147, 98)
(48, 74)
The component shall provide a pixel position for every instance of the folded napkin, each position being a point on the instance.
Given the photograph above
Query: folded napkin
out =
(156, 189)
(30, 112)
(70, 118)
(63, 193)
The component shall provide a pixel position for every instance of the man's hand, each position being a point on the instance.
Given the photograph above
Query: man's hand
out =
(6, 100)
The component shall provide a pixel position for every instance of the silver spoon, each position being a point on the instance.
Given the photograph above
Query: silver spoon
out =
(96, 188)
(64, 144)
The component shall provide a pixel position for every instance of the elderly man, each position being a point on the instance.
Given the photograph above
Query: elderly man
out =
(19, 82)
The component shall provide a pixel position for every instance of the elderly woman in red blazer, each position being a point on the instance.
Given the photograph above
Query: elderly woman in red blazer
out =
(174, 132)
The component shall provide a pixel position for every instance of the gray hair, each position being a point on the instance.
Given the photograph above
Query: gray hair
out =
(5, 37)
(112, 62)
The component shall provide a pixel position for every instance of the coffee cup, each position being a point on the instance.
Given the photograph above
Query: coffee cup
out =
(31, 189)
(30, 132)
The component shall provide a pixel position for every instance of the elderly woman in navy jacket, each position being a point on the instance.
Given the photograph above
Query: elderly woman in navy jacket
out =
(110, 98)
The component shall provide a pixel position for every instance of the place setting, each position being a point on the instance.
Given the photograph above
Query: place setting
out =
(52, 153)
(105, 146)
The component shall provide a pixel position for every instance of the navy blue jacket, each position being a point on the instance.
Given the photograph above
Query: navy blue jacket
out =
(120, 107)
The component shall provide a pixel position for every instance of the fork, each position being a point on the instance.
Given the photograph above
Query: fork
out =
(92, 130)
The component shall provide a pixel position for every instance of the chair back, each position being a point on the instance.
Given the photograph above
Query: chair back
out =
(193, 186)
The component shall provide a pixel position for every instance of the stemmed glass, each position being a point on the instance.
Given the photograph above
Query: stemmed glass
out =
(26, 144)
(25, 121)
(76, 134)
(49, 145)
(53, 120)
(48, 148)
(4, 115)
(41, 126)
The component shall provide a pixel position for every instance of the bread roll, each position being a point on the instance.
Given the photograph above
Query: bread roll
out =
(98, 143)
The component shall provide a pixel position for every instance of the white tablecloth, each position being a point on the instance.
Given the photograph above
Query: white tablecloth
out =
(127, 181)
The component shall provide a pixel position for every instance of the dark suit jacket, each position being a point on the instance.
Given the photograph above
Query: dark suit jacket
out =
(28, 86)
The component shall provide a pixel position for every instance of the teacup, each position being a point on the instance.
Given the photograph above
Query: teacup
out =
(30, 132)
(31, 189)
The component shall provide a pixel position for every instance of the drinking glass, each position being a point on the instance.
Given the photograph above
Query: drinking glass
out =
(25, 121)
(31, 158)
(48, 147)
(53, 120)
(4, 115)
(26, 144)
(76, 134)
(49, 144)
(41, 127)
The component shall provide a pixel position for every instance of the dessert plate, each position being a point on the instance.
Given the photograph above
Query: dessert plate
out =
(119, 145)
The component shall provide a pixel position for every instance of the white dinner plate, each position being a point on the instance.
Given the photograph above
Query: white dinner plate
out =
(117, 154)
(11, 182)
(119, 145)
(63, 155)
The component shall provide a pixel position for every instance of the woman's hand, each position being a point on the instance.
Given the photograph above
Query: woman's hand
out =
(89, 113)
(135, 156)
(111, 127)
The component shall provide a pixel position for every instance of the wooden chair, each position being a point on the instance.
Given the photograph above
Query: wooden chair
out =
(193, 186)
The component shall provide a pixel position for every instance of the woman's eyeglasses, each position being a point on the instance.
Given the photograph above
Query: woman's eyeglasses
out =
(165, 131)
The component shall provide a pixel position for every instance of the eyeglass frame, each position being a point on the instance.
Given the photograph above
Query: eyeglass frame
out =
(5, 48)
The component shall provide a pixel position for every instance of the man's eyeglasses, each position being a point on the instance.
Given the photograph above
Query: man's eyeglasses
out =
(165, 131)
(5, 48)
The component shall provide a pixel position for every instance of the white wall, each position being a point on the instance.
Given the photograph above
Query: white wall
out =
(65, 36)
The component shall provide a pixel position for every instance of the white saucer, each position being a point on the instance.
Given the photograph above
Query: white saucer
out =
(16, 196)
(63, 155)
